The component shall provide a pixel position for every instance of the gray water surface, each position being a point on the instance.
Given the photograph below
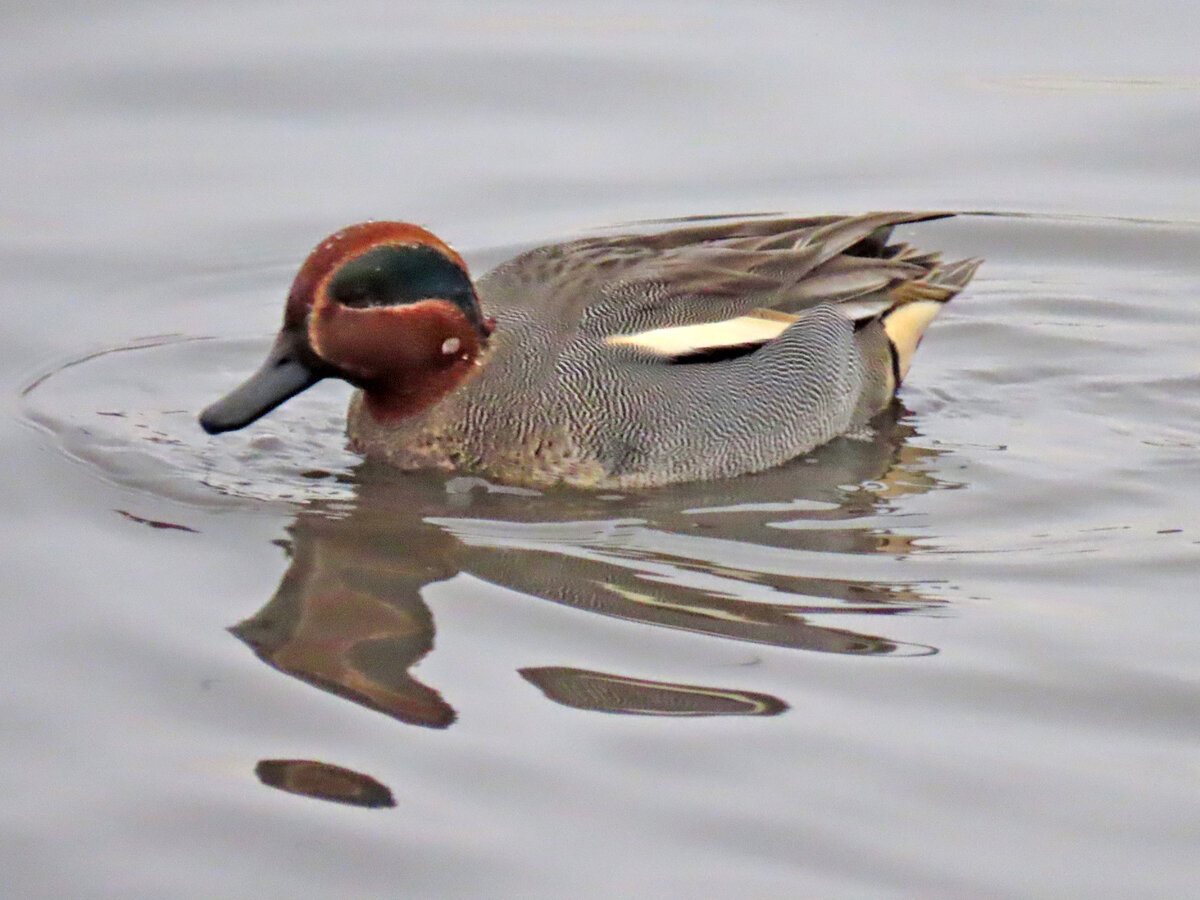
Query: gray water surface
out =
(954, 658)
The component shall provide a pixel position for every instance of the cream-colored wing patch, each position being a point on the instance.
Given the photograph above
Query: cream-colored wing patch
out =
(680, 340)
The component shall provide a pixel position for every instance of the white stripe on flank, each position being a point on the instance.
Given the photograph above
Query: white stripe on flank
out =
(680, 340)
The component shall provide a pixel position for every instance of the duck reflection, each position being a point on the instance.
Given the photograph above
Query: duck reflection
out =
(324, 781)
(754, 559)
(605, 692)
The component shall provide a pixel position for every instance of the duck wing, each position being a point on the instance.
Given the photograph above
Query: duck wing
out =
(711, 285)
(713, 291)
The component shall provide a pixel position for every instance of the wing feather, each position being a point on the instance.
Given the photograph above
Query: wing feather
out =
(709, 284)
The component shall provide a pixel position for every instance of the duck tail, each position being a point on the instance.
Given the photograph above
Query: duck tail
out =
(917, 303)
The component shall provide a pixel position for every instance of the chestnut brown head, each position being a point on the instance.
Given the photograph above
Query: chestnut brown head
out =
(386, 306)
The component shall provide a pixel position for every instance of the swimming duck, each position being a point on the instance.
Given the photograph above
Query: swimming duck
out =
(617, 361)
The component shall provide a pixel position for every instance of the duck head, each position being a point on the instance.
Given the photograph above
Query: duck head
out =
(386, 306)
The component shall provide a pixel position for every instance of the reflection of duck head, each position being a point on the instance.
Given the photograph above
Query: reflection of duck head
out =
(754, 559)
(348, 617)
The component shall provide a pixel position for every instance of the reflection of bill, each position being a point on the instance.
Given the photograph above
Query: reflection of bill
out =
(603, 692)
(754, 559)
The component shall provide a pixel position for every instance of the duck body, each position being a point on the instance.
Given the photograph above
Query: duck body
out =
(609, 362)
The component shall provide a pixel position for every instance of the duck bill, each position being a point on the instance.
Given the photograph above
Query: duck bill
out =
(287, 371)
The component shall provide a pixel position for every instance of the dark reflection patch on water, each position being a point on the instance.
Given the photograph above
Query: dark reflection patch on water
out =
(324, 781)
(606, 692)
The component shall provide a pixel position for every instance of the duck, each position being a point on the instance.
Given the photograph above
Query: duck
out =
(616, 361)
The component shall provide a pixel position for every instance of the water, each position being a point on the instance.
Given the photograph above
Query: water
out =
(954, 660)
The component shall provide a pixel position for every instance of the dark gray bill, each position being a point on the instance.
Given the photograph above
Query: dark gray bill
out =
(284, 375)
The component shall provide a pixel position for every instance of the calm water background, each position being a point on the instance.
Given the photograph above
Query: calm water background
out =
(1031, 516)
